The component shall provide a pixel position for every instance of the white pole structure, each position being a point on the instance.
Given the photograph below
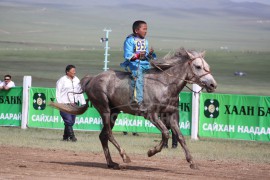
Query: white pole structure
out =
(106, 48)
(27, 83)
(195, 111)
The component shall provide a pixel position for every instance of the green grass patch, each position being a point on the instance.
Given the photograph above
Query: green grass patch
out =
(88, 141)
(40, 39)
(47, 66)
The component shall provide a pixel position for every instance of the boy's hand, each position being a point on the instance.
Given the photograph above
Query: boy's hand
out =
(136, 56)
(142, 55)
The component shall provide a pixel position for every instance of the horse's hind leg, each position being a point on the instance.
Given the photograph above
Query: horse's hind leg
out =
(165, 134)
(174, 122)
(104, 137)
(121, 151)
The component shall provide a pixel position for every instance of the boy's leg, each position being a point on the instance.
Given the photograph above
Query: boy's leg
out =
(140, 89)
(140, 85)
(133, 85)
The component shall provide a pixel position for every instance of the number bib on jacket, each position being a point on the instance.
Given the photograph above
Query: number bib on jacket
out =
(140, 45)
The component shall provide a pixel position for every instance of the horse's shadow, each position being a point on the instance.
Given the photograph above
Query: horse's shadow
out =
(104, 166)
(125, 167)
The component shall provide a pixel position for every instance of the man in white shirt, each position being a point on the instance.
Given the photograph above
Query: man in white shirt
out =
(66, 87)
(7, 83)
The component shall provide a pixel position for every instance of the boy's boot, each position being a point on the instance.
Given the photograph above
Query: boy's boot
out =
(141, 107)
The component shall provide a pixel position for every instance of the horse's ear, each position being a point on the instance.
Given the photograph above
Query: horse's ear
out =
(190, 55)
(203, 54)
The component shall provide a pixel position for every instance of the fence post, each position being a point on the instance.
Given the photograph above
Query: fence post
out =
(27, 83)
(195, 111)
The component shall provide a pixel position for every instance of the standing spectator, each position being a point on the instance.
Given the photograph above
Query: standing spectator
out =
(7, 83)
(174, 142)
(66, 87)
(134, 133)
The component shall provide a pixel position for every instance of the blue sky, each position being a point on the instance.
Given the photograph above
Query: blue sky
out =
(259, 1)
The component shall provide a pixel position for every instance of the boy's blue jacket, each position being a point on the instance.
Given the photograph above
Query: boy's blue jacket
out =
(134, 45)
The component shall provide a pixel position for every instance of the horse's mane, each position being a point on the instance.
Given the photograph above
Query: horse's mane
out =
(171, 59)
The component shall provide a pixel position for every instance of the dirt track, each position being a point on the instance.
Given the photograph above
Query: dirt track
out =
(29, 163)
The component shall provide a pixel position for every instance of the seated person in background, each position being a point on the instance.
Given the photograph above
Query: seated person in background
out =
(7, 83)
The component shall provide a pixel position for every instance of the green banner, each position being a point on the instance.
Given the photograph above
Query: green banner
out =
(11, 107)
(43, 116)
(235, 116)
(40, 114)
(130, 123)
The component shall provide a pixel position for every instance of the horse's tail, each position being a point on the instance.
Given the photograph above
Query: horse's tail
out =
(70, 108)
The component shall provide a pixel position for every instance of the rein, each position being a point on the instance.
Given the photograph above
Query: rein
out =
(160, 68)
(188, 81)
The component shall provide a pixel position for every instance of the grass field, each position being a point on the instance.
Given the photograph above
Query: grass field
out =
(40, 38)
(47, 66)
(81, 23)
(205, 149)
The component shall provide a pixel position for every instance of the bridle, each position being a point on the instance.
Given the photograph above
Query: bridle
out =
(193, 74)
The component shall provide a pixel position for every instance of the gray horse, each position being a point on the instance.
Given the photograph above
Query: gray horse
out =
(110, 93)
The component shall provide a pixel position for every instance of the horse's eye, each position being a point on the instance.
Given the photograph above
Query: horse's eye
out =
(198, 67)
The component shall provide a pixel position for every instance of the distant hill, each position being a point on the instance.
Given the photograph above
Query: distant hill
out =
(207, 24)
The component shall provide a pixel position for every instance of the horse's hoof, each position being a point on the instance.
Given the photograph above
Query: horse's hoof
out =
(113, 166)
(127, 160)
(194, 166)
(150, 153)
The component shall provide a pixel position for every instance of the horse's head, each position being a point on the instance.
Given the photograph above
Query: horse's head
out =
(200, 71)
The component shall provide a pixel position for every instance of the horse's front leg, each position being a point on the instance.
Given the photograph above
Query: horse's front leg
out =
(165, 134)
(174, 122)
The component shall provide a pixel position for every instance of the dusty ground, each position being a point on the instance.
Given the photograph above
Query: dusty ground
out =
(30, 163)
